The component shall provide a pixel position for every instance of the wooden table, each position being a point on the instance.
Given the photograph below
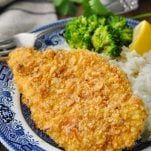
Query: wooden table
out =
(144, 7)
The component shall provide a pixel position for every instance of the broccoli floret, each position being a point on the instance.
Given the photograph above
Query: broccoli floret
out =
(101, 21)
(117, 22)
(101, 38)
(104, 42)
(115, 35)
(123, 33)
(112, 50)
(126, 35)
(94, 21)
(78, 32)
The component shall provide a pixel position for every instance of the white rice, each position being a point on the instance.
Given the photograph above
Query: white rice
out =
(138, 70)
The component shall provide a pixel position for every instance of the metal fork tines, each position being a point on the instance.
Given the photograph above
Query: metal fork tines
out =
(29, 39)
(6, 45)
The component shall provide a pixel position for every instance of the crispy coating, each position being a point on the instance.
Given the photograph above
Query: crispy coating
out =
(78, 99)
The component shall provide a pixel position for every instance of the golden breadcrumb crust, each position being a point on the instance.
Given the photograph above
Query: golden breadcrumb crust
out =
(78, 99)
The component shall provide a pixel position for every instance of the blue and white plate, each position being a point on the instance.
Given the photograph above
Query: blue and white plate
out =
(17, 130)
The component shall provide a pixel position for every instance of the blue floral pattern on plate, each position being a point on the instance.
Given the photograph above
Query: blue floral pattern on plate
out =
(12, 134)
(15, 133)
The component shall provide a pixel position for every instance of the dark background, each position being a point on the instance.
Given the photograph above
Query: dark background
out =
(144, 7)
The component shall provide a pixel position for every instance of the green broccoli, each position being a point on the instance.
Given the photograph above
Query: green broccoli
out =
(78, 32)
(103, 42)
(123, 32)
(98, 20)
(92, 22)
(112, 50)
(117, 22)
(126, 35)
(115, 35)
(97, 33)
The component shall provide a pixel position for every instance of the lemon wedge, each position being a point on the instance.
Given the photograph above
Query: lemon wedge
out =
(141, 42)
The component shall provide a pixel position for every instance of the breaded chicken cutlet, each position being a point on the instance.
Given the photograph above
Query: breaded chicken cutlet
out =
(79, 99)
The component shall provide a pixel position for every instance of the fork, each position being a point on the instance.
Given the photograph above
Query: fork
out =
(24, 40)
(120, 6)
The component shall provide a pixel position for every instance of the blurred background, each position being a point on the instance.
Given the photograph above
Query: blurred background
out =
(24, 15)
(18, 16)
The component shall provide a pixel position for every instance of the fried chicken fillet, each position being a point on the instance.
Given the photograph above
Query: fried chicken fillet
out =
(79, 99)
